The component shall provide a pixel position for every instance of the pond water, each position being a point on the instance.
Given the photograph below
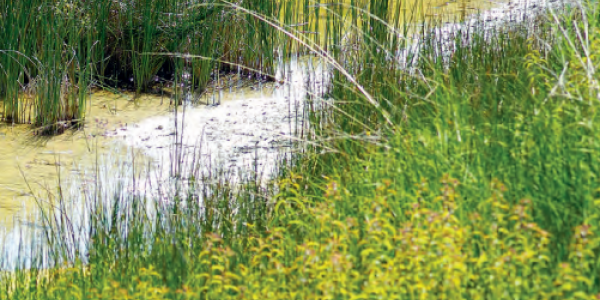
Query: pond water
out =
(237, 128)
(31, 165)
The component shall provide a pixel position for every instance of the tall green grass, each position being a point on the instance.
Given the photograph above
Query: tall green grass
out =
(467, 174)
(53, 52)
(46, 62)
(499, 108)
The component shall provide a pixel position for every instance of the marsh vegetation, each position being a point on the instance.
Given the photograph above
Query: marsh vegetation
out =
(442, 159)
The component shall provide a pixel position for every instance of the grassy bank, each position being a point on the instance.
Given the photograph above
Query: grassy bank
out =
(52, 52)
(469, 175)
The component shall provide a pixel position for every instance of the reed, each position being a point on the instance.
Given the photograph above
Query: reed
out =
(132, 44)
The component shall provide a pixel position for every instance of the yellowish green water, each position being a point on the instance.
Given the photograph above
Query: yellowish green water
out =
(31, 165)
(400, 13)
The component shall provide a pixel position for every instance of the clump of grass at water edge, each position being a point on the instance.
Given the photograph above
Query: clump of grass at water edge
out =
(53, 52)
(474, 176)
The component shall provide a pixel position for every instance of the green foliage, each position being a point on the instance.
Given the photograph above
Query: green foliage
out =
(510, 107)
(468, 176)
(381, 244)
